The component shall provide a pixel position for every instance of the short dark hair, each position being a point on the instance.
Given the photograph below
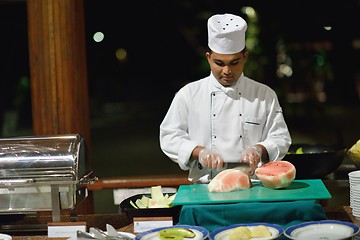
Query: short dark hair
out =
(210, 51)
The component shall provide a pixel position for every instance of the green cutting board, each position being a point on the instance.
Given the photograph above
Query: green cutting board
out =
(309, 189)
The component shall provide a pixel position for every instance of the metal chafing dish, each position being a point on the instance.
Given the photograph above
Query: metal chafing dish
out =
(42, 173)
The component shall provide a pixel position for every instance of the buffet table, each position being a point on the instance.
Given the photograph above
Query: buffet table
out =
(122, 223)
(335, 209)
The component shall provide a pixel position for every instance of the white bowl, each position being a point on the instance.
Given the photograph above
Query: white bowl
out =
(325, 229)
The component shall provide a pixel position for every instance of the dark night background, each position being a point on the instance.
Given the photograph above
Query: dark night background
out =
(315, 72)
(165, 43)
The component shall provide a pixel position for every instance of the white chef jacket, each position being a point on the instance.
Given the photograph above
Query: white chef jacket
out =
(224, 119)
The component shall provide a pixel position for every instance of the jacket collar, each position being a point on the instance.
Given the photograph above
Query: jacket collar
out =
(233, 91)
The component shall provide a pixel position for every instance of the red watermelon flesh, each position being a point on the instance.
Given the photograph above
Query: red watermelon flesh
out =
(229, 180)
(276, 174)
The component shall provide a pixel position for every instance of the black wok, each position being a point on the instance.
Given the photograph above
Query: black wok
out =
(316, 161)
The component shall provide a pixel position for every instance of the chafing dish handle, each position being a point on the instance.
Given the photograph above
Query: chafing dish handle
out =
(11, 182)
(88, 179)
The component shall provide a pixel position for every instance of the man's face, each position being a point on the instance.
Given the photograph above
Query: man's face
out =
(227, 68)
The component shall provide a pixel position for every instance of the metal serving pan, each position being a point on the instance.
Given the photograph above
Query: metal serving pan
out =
(42, 173)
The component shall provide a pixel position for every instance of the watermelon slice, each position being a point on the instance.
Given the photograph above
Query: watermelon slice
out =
(276, 174)
(229, 180)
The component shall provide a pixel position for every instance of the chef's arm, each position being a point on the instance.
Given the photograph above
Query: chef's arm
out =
(195, 156)
(195, 153)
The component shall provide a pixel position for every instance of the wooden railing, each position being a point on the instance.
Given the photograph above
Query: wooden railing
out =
(139, 182)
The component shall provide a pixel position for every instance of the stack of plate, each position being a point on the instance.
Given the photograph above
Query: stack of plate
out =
(5, 236)
(354, 181)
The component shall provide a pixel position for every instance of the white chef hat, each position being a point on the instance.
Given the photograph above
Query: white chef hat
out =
(226, 33)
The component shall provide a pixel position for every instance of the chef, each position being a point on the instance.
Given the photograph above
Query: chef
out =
(226, 119)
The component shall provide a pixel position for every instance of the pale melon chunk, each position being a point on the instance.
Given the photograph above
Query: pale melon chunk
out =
(156, 192)
(239, 233)
(260, 231)
(157, 199)
(140, 204)
(133, 204)
(144, 200)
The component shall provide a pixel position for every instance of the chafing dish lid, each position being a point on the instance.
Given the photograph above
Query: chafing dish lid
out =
(42, 158)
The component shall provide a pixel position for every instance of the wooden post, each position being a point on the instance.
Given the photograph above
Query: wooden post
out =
(58, 71)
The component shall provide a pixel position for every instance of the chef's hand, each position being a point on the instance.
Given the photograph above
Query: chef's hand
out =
(251, 156)
(210, 159)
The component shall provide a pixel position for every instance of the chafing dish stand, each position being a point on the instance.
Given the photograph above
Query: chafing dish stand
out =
(43, 173)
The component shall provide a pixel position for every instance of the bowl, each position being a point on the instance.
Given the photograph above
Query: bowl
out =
(324, 229)
(315, 161)
(132, 212)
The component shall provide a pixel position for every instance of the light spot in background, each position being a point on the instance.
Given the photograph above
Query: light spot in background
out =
(121, 54)
(284, 70)
(327, 28)
(98, 37)
(320, 59)
(249, 11)
(356, 43)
